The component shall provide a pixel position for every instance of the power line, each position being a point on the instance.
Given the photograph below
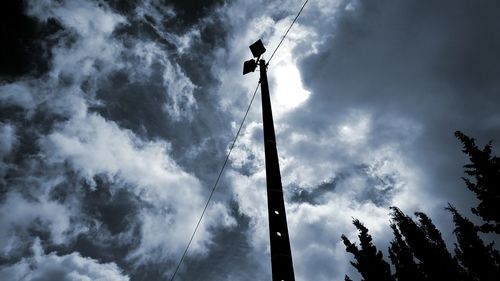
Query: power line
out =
(286, 33)
(216, 182)
(231, 148)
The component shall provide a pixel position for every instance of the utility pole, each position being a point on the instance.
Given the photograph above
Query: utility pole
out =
(281, 254)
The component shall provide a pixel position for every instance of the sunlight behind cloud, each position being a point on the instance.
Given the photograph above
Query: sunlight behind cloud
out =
(355, 129)
(289, 91)
(286, 85)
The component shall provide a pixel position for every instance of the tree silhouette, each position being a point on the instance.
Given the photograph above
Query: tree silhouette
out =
(369, 261)
(427, 245)
(402, 258)
(418, 251)
(431, 232)
(485, 169)
(481, 262)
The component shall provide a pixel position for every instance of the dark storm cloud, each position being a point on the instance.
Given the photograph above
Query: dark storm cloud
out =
(418, 71)
(139, 102)
(379, 194)
(66, 267)
(390, 82)
(188, 12)
(113, 75)
(441, 48)
(25, 42)
(432, 63)
(109, 148)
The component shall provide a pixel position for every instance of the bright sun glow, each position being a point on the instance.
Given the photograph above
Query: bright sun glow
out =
(355, 129)
(289, 91)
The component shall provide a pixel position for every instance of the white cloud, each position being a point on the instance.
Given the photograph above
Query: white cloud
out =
(87, 51)
(20, 214)
(179, 90)
(247, 25)
(8, 139)
(309, 156)
(377, 103)
(355, 129)
(318, 143)
(71, 267)
(94, 50)
(173, 199)
(17, 94)
(315, 229)
(289, 91)
(90, 51)
(155, 14)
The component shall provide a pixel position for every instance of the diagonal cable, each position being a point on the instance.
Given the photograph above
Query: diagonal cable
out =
(231, 149)
(216, 182)
(286, 33)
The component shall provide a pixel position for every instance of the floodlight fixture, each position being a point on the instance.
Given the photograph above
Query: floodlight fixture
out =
(249, 66)
(257, 49)
(281, 253)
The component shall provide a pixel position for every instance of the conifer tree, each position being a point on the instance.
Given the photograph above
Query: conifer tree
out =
(418, 251)
(369, 261)
(402, 258)
(432, 233)
(480, 261)
(427, 245)
(485, 170)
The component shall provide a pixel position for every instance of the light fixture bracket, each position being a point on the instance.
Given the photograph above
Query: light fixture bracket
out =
(257, 50)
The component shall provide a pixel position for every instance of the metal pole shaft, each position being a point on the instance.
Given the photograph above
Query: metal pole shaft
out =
(281, 255)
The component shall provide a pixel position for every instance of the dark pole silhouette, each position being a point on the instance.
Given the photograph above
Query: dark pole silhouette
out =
(281, 254)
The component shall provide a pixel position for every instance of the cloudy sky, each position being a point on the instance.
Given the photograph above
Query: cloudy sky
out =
(116, 117)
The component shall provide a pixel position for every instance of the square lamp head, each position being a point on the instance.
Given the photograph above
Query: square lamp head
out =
(249, 66)
(257, 49)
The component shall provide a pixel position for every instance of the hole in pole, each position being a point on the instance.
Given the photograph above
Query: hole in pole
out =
(276, 212)
(278, 233)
